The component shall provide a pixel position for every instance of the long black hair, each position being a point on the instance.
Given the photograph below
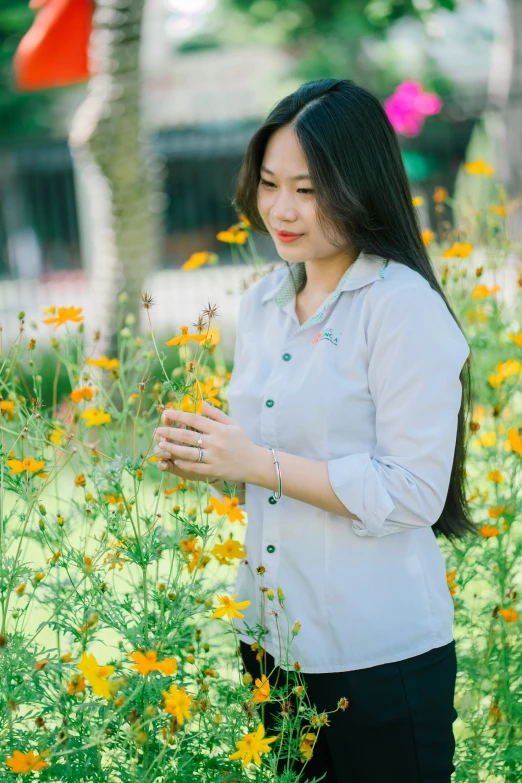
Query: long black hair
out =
(362, 193)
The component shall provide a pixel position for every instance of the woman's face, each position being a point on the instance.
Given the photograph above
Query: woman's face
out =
(288, 204)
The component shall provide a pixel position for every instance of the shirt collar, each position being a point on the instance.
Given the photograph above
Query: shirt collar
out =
(365, 269)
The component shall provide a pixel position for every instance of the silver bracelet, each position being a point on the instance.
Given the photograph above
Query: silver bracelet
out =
(275, 497)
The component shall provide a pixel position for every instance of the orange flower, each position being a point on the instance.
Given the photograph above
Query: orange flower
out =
(7, 405)
(235, 235)
(28, 463)
(76, 685)
(440, 194)
(144, 663)
(198, 259)
(509, 615)
(482, 291)
(495, 475)
(427, 236)
(500, 210)
(22, 763)
(228, 506)
(65, 314)
(262, 691)
(488, 531)
(83, 393)
(515, 440)
(80, 480)
(495, 511)
(458, 250)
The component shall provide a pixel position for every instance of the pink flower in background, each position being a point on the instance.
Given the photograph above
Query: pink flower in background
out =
(409, 105)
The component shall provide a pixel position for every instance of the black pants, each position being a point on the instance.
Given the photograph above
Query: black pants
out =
(397, 727)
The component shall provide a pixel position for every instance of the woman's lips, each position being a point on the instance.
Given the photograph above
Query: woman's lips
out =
(288, 237)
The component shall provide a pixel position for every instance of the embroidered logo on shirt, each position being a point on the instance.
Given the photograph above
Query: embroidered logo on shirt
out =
(326, 335)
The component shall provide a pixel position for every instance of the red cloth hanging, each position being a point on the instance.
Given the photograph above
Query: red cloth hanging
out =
(53, 52)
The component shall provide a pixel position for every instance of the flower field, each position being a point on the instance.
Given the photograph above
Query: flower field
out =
(118, 654)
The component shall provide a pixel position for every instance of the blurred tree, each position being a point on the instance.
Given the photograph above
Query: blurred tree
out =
(20, 114)
(117, 171)
(329, 37)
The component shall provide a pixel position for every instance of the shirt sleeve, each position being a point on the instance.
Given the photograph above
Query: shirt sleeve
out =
(416, 353)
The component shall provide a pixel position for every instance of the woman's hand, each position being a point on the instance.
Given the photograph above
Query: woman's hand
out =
(228, 453)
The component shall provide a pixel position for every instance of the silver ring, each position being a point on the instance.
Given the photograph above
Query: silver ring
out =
(200, 455)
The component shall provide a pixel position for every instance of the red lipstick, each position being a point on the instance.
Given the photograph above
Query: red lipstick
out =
(285, 236)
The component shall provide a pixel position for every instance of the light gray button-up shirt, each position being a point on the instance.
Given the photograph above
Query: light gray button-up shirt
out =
(370, 385)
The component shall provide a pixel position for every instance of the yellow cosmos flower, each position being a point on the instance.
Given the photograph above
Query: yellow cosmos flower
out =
(262, 690)
(488, 439)
(65, 315)
(57, 436)
(95, 417)
(478, 167)
(83, 393)
(417, 201)
(498, 209)
(185, 337)
(495, 475)
(22, 763)
(427, 236)
(177, 703)
(104, 362)
(503, 371)
(7, 405)
(509, 615)
(198, 259)
(229, 607)
(252, 745)
(228, 506)
(28, 464)
(228, 551)
(517, 339)
(144, 663)
(96, 675)
(458, 250)
(306, 745)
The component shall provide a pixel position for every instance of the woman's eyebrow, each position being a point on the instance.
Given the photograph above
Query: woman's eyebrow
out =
(298, 176)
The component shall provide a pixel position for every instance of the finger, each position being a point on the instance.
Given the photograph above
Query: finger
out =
(179, 451)
(170, 433)
(200, 423)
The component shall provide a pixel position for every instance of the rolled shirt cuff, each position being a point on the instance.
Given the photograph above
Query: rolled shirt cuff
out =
(359, 488)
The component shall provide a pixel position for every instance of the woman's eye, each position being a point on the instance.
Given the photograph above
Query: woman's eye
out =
(299, 190)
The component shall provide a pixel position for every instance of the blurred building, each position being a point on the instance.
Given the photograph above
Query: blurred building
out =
(202, 107)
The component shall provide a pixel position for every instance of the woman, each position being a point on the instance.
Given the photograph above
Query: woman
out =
(349, 399)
